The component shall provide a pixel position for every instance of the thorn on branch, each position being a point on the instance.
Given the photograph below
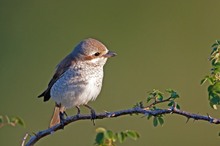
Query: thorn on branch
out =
(173, 107)
(210, 118)
(109, 114)
(187, 120)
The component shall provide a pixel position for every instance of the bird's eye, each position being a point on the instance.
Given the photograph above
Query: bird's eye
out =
(97, 54)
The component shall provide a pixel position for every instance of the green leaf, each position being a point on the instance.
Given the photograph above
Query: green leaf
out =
(155, 121)
(99, 138)
(132, 134)
(149, 98)
(216, 67)
(211, 80)
(159, 97)
(120, 136)
(156, 95)
(215, 44)
(161, 121)
(169, 90)
(214, 50)
(173, 94)
(210, 88)
(204, 80)
(215, 60)
(214, 94)
(171, 103)
(149, 116)
(17, 120)
(214, 98)
(109, 134)
(177, 106)
(216, 87)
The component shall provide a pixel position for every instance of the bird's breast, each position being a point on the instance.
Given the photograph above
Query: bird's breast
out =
(77, 87)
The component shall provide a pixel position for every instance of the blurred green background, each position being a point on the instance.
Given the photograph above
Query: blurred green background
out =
(160, 44)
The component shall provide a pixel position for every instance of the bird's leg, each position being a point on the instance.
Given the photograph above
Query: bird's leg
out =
(62, 118)
(78, 111)
(62, 115)
(93, 114)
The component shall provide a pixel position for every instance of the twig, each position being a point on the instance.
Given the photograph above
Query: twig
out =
(158, 102)
(24, 139)
(136, 110)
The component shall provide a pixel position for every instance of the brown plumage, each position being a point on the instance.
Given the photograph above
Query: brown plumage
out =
(61, 68)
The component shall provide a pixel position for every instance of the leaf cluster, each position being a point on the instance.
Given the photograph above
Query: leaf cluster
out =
(109, 138)
(214, 78)
(157, 97)
(11, 121)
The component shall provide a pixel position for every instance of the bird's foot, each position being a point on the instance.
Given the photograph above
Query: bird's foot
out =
(62, 118)
(93, 116)
(78, 111)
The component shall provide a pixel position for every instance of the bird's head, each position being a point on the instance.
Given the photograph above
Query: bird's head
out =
(93, 51)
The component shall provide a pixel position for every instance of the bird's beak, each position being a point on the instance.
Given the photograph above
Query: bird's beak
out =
(109, 54)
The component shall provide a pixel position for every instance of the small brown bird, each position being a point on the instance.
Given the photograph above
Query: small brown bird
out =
(78, 78)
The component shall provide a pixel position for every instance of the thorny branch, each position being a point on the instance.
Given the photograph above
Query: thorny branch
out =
(137, 110)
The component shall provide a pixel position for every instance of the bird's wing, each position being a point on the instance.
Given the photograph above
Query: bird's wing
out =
(60, 69)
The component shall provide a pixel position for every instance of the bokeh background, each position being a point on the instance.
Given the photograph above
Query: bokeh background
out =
(160, 44)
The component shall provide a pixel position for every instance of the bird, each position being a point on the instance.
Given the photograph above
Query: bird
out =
(77, 79)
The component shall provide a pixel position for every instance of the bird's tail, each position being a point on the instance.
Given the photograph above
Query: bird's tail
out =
(56, 115)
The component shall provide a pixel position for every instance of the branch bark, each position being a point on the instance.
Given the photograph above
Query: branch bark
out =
(39, 135)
